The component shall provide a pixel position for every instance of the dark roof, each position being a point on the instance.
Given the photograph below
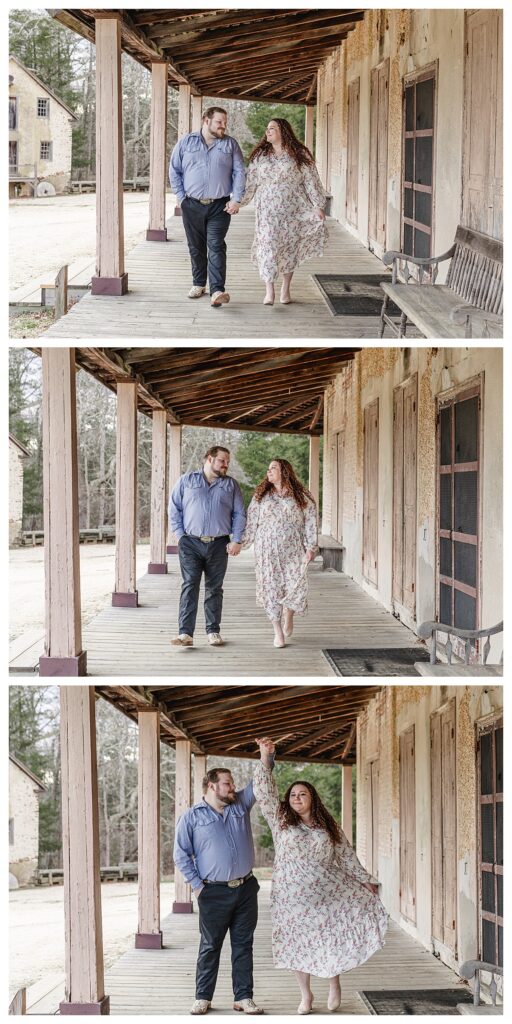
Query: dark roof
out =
(259, 54)
(314, 724)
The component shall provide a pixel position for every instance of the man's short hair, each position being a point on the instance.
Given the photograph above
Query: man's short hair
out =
(214, 110)
(214, 450)
(213, 776)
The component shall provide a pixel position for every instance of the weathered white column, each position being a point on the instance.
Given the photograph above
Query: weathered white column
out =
(199, 774)
(63, 642)
(197, 113)
(158, 528)
(309, 128)
(85, 988)
(125, 594)
(314, 467)
(346, 822)
(183, 120)
(174, 475)
(182, 895)
(149, 935)
(111, 278)
(157, 231)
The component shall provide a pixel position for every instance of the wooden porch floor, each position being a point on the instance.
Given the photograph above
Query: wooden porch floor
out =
(131, 642)
(162, 981)
(159, 278)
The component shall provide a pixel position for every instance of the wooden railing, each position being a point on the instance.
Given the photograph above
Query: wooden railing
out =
(429, 630)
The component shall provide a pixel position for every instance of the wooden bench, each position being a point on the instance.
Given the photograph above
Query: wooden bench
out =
(470, 304)
(429, 630)
(473, 969)
(332, 552)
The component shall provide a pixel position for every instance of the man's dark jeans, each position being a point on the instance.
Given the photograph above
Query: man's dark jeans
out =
(196, 558)
(206, 228)
(220, 909)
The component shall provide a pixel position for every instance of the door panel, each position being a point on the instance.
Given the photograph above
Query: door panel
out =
(408, 824)
(482, 200)
(404, 494)
(418, 164)
(353, 152)
(371, 492)
(379, 101)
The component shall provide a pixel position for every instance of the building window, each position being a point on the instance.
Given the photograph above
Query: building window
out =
(418, 164)
(46, 151)
(43, 107)
(11, 831)
(13, 113)
(490, 840)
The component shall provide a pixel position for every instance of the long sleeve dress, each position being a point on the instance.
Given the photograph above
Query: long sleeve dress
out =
(324, 921)
(281, 533)
(287, 231)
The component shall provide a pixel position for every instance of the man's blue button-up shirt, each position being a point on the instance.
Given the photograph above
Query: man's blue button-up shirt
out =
(207, 172)
(207, 510)
(215, 846)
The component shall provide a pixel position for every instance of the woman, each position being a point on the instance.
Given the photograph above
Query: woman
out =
(289, 202)
(326, 915)
(282, 524)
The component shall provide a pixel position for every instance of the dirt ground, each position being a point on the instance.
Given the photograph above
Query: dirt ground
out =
(27, 583)
(44, 234)
(36, 927)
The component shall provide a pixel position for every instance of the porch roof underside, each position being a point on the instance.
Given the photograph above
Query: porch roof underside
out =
(313, 724)
(258, 389)
(269, 55)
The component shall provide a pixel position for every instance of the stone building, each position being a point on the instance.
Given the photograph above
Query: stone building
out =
(430, 814)
(40, 129)
(24, 792)
(17, 455)
(409, 140)
(413, 481)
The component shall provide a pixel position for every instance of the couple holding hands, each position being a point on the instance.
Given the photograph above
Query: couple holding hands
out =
(327, 917)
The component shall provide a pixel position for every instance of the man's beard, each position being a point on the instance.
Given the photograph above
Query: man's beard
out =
(219, 472)
(227, 799)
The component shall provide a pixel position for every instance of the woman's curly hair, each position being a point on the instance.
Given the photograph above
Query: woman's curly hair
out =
(289, 482)
(320, 816)
(289, 142)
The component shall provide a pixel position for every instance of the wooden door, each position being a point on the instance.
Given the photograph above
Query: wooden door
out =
(444, 827)
(371, 492)
(408, 824)
(329, 114)
(372, 834)
(418, 164)
(379, 103)
(404, 494)
(353, 152)
(337, 461)
(482, 186)
(490, 841)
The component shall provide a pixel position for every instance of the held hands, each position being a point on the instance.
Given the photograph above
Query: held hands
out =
(310, 555)
(232, 207)
(233, 548)
(319, 213)
(267, 749)
(371, 887)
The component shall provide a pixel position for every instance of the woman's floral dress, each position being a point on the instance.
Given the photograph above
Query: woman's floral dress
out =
(282, 533)
(324, 921)
(287, 231)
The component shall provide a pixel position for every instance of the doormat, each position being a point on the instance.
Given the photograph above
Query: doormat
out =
(375, 661)
(355, 294)
(411, 1001)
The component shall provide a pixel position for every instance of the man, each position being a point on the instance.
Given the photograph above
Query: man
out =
(214, 851)
(205, 508)
(207, 177)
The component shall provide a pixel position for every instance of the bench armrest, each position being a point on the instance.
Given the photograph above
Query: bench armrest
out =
(394, 257)
(426, 630)
(477, 320)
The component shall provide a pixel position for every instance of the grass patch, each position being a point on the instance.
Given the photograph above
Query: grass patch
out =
(30, 324)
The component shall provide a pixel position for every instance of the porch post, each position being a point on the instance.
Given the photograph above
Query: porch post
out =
(308, 129)
(125, 594)
(314, 467)
(174, 475)
(158, 563)
(157, 231)
(347, 801)
(111, 278)
(182, 896)
(85, 991)
(63, 643)
(197, 113)
(149, 935)
(199, 774)
(183, 109)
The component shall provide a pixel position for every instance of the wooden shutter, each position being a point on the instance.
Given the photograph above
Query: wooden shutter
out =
(379, 94)
(408, 825)
(482, 192)
(353, 152)
(444, 826)
(404, 494)
(490, 841)
(371, 492)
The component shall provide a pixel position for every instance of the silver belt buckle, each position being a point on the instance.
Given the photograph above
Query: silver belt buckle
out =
(206, 202)
(207, 540)
(235, 882)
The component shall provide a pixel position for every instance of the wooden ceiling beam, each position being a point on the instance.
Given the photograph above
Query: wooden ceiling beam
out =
(299, 27)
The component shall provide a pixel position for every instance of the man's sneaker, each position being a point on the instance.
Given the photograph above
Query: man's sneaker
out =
(183, 640)
(196, 291)
(200, 1006)
(219, 298)
(215, 639)
(247, 1006)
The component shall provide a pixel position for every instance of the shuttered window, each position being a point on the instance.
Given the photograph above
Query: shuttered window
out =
(408, 824)
(371, 492)
(418, 164)
(444, 826)
(490, 841)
